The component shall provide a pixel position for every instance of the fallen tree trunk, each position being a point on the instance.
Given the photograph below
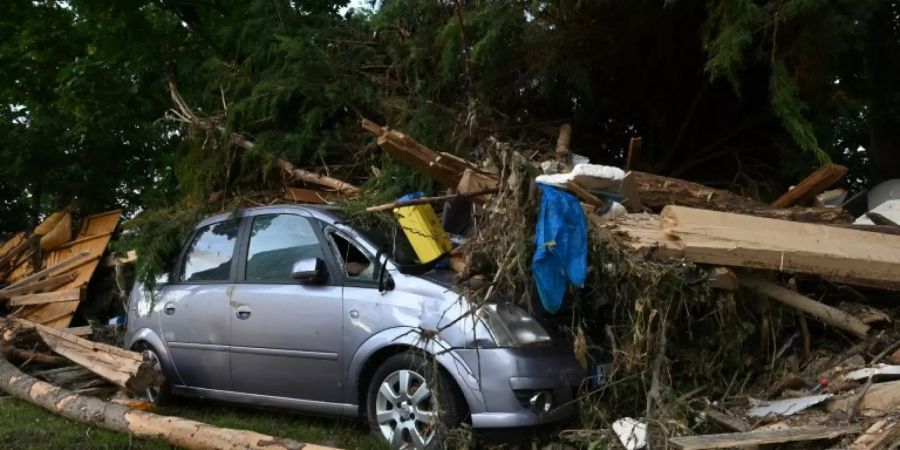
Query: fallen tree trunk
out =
(112, 416)
(314, 178)
(657, 192)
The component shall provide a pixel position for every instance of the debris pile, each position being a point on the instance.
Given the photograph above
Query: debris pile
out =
(720, 320)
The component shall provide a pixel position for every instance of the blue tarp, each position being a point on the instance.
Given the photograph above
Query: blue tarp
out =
(561, 240)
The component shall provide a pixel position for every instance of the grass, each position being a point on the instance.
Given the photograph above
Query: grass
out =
(27, 426)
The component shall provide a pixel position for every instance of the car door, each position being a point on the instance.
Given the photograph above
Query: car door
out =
(194, 320)
(285, 336)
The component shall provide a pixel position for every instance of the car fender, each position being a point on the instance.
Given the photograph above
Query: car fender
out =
(435, 347)
(149, 336)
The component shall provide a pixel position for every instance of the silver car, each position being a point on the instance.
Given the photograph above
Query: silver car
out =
(289, 307)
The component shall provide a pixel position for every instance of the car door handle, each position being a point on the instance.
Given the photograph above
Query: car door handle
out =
(169, 309)
(243, 312)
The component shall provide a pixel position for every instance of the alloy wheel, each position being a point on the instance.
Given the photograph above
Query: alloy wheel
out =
(406, 411)
(150, 358)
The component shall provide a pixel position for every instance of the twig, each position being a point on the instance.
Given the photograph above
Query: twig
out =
(427, 200)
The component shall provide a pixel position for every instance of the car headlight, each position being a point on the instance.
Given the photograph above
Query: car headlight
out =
(511, 326)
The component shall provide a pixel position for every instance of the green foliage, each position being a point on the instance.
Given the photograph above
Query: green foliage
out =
(788, 107)
(728, 32)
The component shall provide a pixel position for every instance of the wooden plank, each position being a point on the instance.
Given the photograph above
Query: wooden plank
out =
(823, 312)
(121, 367)
(584, 195)
(86, 330)
(94, 237)
(45, 284)
(728, 239)
(811, 186)
(728, 440)
(633, 159)
(43, 273)
(47, 297)
(442, 167)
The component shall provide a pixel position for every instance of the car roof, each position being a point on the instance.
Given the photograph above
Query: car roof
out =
(327, 213)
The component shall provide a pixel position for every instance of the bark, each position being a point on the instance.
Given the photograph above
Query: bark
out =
(112, 416)
(657, 192)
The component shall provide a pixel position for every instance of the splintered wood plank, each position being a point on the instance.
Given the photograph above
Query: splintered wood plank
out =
(47, 297)
(54, 268)
(93, 237)
(45, 284)
(811, 186)
(729, 440)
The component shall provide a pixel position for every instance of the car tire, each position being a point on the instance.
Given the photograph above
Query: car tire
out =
(405, 416)
(161, 395)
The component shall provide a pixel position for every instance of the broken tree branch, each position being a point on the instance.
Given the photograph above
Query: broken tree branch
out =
(823, 312)
(429, 200)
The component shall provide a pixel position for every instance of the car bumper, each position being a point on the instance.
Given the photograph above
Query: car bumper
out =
(510, 377)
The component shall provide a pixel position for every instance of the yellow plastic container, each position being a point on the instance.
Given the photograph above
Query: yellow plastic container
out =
(424, 231)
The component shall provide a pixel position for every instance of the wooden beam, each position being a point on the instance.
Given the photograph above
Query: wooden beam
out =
(47, 297)
(584, 195)
(43, 273)
(735, 240)
(823, 312)
(42, 285)
(633, 159)
(122, 367)
(563, 141)
(759, 437)
(86, 330)
(442, 167)
(811, 186)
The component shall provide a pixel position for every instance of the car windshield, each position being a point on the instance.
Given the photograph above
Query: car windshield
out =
(385, 235)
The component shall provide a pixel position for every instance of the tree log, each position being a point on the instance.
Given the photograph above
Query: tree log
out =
(322, 180)
(658, 192)
(112, 416)
(429, 200)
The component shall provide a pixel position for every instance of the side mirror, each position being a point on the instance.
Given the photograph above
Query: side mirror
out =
(310, 271)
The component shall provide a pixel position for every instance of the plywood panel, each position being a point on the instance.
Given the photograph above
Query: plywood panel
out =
(94, 238)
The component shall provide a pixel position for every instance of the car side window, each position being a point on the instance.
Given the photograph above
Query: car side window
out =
(277, 241)
(355, 264)
(211, 252)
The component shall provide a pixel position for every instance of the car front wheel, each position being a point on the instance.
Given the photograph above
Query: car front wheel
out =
(409, 408)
